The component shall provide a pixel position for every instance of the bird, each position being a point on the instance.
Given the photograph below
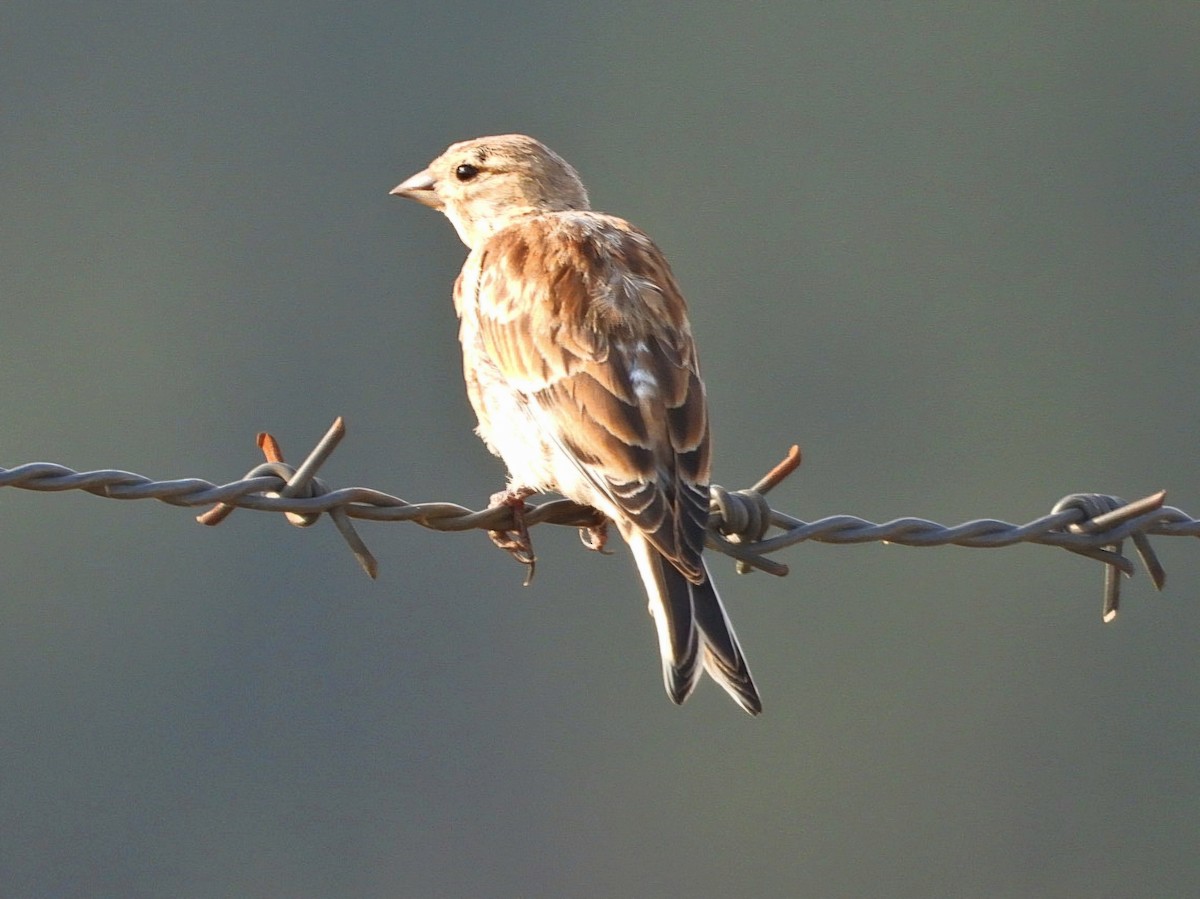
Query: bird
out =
(581, 367)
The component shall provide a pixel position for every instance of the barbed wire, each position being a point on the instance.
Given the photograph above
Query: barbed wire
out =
(1089, 524)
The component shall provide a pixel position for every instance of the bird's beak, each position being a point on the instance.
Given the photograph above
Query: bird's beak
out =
(419, 187)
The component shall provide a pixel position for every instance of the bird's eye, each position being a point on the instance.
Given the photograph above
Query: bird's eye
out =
(466, 172)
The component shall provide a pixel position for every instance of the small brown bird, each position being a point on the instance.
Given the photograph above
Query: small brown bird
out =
(581, 367)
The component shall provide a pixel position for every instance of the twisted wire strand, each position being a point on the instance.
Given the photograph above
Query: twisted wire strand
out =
(259, 493)
(1093, 525)
(365, 503)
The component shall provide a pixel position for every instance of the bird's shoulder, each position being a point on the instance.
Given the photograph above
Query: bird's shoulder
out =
(587, 277)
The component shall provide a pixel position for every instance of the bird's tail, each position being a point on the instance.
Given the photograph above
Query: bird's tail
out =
(694, 633)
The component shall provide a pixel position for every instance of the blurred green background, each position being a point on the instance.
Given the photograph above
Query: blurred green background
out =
(950, 249)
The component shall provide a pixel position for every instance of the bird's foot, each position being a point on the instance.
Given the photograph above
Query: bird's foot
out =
(516, 542)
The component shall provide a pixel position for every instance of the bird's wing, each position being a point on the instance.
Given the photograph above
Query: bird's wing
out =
(585, 321)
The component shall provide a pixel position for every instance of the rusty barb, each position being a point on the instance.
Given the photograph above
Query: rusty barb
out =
(741, 523)
(302, 482)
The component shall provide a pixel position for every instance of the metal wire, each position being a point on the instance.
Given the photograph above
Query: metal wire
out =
(1093, 525)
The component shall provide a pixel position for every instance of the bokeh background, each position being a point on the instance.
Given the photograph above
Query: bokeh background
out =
(950, 249)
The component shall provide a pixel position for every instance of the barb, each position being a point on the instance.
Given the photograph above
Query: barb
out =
(1092, 525)
(302, 481)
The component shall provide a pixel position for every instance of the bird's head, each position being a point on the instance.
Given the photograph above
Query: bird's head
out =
(482, 185)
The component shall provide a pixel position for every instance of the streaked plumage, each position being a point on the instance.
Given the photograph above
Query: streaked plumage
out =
(580, 365)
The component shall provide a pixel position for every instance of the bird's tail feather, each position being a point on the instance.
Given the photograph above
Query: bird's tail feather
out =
(694, 633)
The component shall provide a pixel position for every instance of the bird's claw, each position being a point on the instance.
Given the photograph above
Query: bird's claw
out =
(516, 542)
(595, 537)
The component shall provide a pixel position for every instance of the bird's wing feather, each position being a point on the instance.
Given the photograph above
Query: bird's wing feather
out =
(583, 317)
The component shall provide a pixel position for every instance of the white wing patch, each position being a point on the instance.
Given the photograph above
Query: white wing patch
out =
(641, 378)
